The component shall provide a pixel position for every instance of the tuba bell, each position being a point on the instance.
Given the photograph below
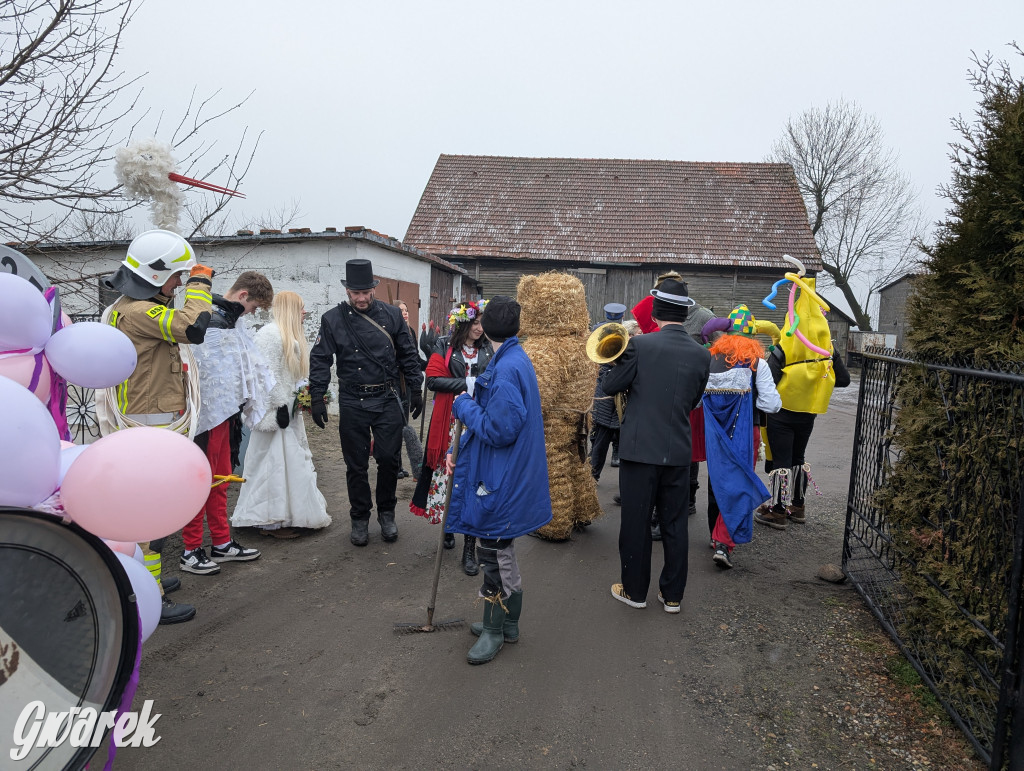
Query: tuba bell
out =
(605, 345)
(607, 342)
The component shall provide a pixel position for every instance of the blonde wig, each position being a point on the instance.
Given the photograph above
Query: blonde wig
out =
(287, 313)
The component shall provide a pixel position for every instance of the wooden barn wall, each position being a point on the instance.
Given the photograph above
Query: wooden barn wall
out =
(442, 290)
(718, 289)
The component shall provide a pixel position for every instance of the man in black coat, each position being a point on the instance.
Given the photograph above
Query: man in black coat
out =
(665, 374)
(372, 345)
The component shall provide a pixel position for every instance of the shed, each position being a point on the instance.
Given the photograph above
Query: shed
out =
(892, 306)
(617, 224)
(311, 264)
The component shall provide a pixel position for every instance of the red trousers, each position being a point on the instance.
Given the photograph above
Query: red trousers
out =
(218, 452)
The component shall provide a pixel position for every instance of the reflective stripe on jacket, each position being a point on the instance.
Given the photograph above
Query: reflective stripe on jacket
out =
(156, 329)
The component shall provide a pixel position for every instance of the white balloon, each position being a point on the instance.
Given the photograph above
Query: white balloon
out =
(25, 317)
(92, 355)
(147, 593)
(140, 557)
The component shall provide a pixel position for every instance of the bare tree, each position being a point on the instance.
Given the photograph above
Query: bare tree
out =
(59, 107)
(65, 109)
(277, 217)
(861, 207)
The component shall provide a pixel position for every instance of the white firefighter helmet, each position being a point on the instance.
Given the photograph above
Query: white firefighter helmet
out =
(153, 257)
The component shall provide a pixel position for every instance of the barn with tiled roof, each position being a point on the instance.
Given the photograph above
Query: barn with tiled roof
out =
(617, 224)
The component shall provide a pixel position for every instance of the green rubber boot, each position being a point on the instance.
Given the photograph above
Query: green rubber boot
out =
(491, 635)
(514, 603)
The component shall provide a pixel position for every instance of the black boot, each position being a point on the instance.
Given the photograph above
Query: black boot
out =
(615, 456)
(510, 628)
(449, 540)
(175, 612)
(492, 635)
(360, 532)
(388, 528)
(469, 560)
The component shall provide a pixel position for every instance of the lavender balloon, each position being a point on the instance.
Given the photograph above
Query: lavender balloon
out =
(147, 593)
(68, 456)
(30, 450)
(92, 355)
(25, 316)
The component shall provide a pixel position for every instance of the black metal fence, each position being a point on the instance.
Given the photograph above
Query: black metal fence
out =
(946, 584)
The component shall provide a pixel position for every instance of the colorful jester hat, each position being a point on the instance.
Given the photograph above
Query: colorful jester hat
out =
(808, 378)
(742, 321)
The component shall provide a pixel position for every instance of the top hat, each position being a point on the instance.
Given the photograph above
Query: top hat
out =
(359, 275)
(673, 292)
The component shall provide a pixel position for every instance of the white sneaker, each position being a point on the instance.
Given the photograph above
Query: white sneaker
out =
(233, 552)
(619, 593)
(197, 562)
(670, 607)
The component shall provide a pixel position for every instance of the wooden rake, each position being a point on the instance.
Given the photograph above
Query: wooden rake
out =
(454, 623)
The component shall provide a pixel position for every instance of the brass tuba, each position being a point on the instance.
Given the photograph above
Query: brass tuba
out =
(607, 342)
(605, 345)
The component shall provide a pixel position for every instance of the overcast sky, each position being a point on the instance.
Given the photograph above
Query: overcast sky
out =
(358, 99)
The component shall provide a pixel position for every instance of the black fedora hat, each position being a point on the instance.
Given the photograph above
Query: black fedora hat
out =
(673, 292)
(359, 275)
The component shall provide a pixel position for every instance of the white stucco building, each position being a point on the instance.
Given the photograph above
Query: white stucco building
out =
(312, 264)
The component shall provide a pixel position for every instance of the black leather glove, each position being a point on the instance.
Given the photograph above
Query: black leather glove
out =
(318, 409)
(283, 416)
(416, 400)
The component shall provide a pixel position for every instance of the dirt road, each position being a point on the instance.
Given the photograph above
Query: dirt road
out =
(292, 661)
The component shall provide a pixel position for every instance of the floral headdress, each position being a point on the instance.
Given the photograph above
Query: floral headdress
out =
(466, 312)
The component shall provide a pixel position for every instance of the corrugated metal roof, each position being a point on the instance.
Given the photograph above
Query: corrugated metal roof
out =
(264, 236)
(614, 211)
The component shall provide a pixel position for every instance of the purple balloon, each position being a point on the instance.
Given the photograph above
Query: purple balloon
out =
(147, 593)
(67, 457)
(92, 355)
(25, 316)
(30, 450)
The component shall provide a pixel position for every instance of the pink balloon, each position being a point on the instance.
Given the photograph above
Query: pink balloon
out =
(66, 445)
(21, 368)
(137, 484)
(65, 320)
(122, 547)
(147, 594)
(30, 447)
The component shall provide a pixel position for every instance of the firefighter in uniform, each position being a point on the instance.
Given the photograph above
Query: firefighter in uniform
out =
(154, 394)
(373, 347)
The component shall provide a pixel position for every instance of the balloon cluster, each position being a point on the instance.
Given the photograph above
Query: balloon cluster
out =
(137, 484)
(792, 319)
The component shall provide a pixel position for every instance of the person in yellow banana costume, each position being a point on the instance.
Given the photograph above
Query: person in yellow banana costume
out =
(805, 371)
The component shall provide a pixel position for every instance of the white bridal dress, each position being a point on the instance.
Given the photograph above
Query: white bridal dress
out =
(280, 488)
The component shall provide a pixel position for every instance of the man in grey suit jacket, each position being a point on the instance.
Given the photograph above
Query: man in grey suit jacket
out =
(665, 374)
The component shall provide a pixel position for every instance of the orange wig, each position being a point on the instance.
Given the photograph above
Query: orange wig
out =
(737, 349)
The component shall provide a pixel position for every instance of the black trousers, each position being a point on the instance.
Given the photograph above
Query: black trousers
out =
(713, 510)
(788, 435)
(642, 486)
(354, 427)
(602, 437)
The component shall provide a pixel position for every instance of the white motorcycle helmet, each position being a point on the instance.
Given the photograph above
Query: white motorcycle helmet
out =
(153, 257)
